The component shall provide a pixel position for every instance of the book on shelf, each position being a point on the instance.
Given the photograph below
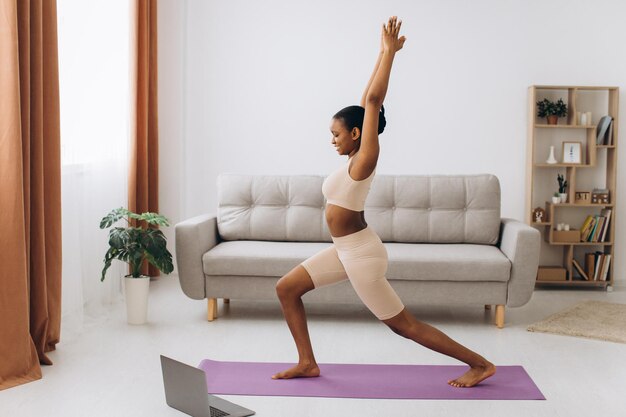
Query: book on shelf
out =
(598, 267)
(607, 214)
(594, 237)
(594, 228)
(580, 269)
(589, 229)
(594, 264)
(585, 227)
(608, 140)
(602, 129)
(605, 270)
(589, 256)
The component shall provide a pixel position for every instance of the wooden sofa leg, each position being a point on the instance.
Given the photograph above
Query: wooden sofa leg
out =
(500, 315)
(226, 300)
(212, 309)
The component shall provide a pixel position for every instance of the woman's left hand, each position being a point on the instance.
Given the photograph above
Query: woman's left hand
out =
(389, 36)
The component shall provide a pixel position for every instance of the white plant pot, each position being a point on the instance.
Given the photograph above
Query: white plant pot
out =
(563, 197)
(136, 294)
(556, 200)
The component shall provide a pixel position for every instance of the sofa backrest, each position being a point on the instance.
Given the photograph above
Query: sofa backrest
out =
(400, 208)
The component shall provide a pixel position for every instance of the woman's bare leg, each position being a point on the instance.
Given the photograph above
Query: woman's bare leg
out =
(290, 289)
(408, 326)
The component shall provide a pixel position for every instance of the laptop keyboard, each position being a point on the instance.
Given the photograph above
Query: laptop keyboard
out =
(216, 412)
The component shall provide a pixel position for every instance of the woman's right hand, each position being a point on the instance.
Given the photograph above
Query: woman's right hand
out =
(389, 35)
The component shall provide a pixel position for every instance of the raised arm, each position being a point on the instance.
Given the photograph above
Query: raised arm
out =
(369, 83)
(369, 148)
(391, 45)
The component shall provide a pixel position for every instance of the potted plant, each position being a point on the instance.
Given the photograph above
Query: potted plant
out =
(551, 110)
(556, 198)
(562, 187)
(133, 245)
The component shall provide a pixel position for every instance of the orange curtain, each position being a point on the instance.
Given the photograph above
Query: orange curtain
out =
(143, 183)
(30, 203)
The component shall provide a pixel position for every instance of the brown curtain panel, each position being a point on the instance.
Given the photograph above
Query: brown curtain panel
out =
(143, 183)
(30, 202)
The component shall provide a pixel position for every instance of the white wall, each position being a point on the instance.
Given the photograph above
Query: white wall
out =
(251, 86)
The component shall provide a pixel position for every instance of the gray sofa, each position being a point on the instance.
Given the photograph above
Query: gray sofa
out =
(446, 241)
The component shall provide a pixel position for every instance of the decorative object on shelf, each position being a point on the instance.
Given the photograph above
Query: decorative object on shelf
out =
(133, 245)
(539, 215)
(556, 198)
(572, 152)
(600, 196)
(551, 273)
(551, 159)
(566, 226)
(551, 110)
(559, 227)
(584, 118)
(604, 131)
(569, 236)
(562, 188)
(582, 197)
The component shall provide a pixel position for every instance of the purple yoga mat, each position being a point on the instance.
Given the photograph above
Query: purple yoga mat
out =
(367, 381)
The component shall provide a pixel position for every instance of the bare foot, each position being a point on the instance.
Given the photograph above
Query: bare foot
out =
(299, 371)
(474, 376)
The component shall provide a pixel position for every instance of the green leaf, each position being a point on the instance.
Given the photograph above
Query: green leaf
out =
(108, 257)
(135, 244)
(113, 217)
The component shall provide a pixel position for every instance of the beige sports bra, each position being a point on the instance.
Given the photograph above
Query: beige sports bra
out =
(341, 190)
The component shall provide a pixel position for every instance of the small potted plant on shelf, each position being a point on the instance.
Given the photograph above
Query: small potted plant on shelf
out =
(556, 198)
(562, 187)
(133, 245)
(551, 110)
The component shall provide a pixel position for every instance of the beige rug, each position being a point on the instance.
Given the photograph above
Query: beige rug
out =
(591, 319)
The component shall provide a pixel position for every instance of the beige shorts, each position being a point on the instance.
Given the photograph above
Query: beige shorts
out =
(360, 257)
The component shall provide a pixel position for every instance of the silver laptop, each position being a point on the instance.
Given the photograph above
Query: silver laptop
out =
(186, 390)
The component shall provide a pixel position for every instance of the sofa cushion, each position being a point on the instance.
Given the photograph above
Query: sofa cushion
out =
(447, 262)
(262, 258)
(400, 208)
(429, 262)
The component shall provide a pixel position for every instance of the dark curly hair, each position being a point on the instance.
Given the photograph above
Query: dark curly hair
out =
(352, 116)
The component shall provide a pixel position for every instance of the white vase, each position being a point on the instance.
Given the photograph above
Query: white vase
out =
(551, 159)
(556, 200)
(583, 119)
(136, 294)
(563, 197)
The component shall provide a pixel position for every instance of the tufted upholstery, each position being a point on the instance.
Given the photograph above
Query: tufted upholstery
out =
(400, 208)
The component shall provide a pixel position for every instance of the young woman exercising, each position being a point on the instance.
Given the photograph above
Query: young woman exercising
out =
(357, 252)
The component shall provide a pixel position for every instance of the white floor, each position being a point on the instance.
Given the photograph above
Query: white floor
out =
(113, 369)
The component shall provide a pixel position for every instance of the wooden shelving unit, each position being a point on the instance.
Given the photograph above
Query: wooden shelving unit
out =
(597, 170)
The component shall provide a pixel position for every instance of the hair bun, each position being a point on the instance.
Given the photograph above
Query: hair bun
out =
(382, 121)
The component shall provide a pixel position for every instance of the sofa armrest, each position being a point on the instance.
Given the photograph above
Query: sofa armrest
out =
(520, 243)
(194, 237)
